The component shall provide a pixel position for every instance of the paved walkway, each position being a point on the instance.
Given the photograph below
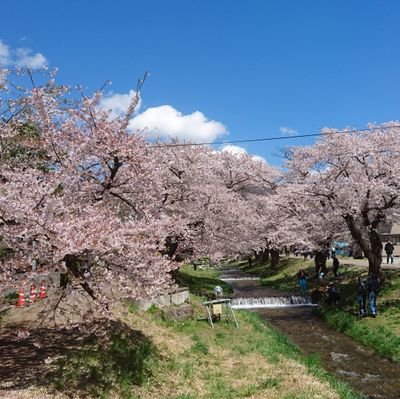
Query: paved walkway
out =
(364, 262)
(346, 260)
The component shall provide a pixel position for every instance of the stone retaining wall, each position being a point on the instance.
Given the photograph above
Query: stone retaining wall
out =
(176, 298)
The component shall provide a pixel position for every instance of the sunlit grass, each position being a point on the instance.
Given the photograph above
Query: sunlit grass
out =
(381, 333)
(201, 281)
(188, 359)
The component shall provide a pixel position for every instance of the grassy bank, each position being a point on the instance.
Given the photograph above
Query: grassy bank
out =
(147, 355)
(381, 333)
(225, 362)
(254, 361)
(201, 282)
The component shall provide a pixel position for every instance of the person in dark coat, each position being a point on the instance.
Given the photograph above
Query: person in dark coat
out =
(333, 295)
(389, 248)
(335, 267)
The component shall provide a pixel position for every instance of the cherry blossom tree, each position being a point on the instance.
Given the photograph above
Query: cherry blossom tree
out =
(209, 191)
(89, 206)
(83, 193)
(306, 223)
(353, 178)
(254, 183)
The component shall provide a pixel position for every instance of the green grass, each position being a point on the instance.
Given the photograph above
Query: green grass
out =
(259, 339)
(381, 333)
(199, 345)
(127, 363)
(376, 336)
(201, 282)
(120, 360)
(283, 276)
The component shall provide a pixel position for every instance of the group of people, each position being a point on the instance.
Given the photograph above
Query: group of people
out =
(332, 294)
(335, 270)
(367, 290)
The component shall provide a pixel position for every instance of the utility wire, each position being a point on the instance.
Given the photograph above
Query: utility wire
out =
(345, 131)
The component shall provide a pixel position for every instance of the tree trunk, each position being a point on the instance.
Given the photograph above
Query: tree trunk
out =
(375, 255)
(356, 251)
(72, 263)
(265, 255)
(171, 245)
(370, 244)
(258, 256)
(175, 275)
(320, 262)
(274, 257)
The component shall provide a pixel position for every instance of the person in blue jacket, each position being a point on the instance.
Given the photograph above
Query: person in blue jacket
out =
(302, 278)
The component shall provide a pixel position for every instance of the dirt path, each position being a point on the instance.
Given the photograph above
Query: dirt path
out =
(351, 362)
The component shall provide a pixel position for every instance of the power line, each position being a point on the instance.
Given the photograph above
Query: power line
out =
(345, 131)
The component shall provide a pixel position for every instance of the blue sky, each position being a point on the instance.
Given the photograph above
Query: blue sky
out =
(254, 67)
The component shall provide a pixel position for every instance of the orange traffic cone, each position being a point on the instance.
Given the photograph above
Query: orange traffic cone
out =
(32, 295)
(21, 299)
(42, 293)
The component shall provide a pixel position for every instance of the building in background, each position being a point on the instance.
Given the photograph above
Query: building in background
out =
(391, 232)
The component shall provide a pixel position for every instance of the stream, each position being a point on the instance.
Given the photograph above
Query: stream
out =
(359, 366)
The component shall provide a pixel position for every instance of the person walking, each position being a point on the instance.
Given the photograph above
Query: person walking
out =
(389, 248)
(361, 297)
(373, 289)
(335, 267)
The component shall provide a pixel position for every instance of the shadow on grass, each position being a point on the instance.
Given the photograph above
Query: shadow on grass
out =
(344, 316)
(266, 270)
(200, 285)
(90, 360)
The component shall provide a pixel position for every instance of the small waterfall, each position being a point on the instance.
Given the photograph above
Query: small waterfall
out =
(271, 302)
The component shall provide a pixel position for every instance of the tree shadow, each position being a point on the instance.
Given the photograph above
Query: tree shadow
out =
(389, 304)
(201, 286)
(91, 358)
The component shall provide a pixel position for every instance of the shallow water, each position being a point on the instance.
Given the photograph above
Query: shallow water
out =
(353, 363)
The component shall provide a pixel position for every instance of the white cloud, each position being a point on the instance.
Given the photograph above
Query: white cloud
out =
(22, 57)
(288, 131)
(118, 103)
(237, 150)
(4, 53)
(167, 121)
(234, 149)
(258, 158)
(25, 58)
